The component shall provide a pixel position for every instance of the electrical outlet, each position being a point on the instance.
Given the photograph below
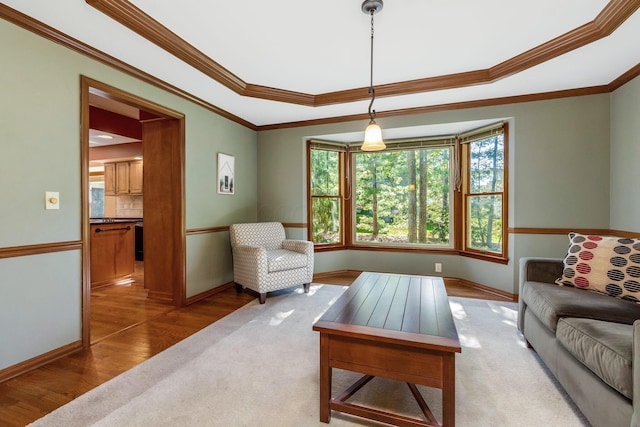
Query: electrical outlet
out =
(438, 267)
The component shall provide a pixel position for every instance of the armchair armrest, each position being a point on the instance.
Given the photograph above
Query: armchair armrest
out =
(301, 246)
(249, 265)
(304, 247)
(635, 352)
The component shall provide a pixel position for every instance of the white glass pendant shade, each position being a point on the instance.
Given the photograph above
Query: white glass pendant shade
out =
(373, 138)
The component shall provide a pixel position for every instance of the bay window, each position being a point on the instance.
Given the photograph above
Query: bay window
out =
(432, 193)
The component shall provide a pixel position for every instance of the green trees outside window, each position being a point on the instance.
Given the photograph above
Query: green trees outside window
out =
(429, 193)
(325, 196)
(403, 196)
(486, 193)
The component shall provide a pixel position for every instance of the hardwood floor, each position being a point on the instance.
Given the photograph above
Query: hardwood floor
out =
(455, 288)
(119, 307)
(127, 329)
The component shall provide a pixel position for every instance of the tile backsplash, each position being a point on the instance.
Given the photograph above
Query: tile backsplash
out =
(129, 206)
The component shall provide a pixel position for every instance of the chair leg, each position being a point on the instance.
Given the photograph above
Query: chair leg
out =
(306, 287)
(263, 297)
(238, 288)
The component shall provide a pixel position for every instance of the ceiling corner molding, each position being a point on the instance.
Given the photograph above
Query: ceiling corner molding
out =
(281, 95)
(608, 20)
(138, 21)
(614, 14)
(625, 78)
(144, 25)
(43, 30)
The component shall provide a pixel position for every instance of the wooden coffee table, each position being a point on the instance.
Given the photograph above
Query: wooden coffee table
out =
(393, 326)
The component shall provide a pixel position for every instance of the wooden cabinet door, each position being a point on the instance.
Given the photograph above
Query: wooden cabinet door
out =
(122, 178)
(109, 179)
(135, 177)
(112, 253)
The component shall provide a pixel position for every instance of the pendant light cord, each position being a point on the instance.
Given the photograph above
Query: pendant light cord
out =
(372, 92)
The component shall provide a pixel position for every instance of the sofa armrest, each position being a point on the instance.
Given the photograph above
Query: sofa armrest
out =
(635, 418)
(250, 265)
(545, 270)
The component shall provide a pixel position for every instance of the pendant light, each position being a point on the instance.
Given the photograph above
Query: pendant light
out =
(372, 134)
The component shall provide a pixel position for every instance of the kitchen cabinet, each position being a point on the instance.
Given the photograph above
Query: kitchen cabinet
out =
(112, 252)
(123, 178)
(109, 179)
(135, 177)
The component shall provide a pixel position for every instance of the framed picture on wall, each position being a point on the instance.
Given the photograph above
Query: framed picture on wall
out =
(226, 171)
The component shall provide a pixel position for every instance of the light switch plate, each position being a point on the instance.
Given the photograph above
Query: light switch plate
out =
(51, 200)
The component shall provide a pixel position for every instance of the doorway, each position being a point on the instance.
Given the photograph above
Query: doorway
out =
(162, 133)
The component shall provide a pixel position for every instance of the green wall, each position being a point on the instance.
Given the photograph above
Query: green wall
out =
(571, 165)
(558, 178)
(40, 303)
(625, 153)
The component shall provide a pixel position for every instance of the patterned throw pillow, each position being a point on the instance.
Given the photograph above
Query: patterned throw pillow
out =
(610, 265)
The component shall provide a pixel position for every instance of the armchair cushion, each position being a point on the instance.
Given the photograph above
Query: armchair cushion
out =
(282, 259)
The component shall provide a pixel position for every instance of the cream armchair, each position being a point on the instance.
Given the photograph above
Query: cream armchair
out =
(264, 260)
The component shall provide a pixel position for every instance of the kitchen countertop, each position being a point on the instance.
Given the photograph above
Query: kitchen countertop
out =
(113, 220)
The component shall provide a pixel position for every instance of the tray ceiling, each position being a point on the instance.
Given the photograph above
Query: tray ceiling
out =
(292, 61)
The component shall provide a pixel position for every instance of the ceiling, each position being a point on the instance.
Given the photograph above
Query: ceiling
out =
(293, 61)
(99, 138)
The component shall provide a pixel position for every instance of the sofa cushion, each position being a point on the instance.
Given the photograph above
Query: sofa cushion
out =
(610, 265)
(603, 347)
(282, 259)
(550, 302)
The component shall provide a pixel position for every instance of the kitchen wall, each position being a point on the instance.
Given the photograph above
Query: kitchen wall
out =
(41, 295)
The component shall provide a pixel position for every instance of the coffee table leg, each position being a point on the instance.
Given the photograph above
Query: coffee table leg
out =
(325, 379)
(449, 390)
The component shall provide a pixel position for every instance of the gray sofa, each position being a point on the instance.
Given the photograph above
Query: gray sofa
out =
(589, 341)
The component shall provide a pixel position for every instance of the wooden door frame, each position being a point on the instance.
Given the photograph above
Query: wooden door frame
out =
(89, 85)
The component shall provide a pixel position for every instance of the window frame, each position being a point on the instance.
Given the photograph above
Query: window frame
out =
(427, 143)
(319, 247)
(466, 194)
(459, 215)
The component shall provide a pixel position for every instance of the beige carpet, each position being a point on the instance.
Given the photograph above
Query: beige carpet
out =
(259, 367)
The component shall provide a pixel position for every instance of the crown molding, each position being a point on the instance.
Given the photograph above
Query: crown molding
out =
(124, 12)
(144, 25)
(594, 90)
(30, 24)
(608, 20)
(625, 78)
(623, 8)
